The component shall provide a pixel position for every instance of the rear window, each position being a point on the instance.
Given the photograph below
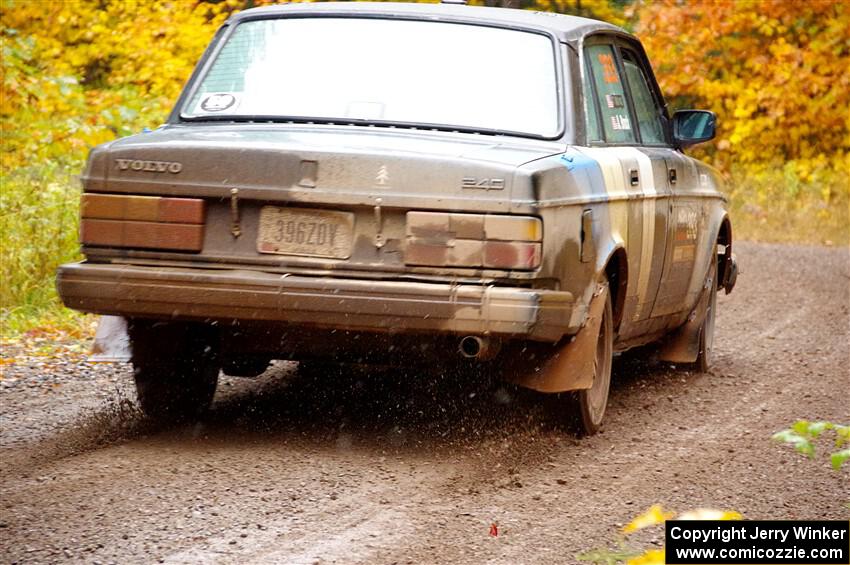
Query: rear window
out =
(381, 70)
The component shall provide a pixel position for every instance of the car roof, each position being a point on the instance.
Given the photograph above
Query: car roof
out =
(564, 27)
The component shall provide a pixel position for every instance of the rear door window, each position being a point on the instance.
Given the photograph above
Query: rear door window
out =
(609, 94)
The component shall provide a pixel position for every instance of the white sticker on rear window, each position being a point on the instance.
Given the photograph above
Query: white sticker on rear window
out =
(620, 122)
(217, 102)
(614, 101)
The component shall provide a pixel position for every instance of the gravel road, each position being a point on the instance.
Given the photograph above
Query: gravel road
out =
(392, 467)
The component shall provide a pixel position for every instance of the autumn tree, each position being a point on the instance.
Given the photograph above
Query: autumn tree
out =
(775, 72)
(79, 72)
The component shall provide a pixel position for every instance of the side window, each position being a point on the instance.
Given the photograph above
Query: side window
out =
(610, 96)
(646, 111)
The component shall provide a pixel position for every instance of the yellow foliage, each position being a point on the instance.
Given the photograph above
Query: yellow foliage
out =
(80, 72)
(76, 73)
(648, 557)
(776, 73)
(654, 515)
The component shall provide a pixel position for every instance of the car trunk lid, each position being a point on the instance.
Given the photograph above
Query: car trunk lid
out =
(349, 181)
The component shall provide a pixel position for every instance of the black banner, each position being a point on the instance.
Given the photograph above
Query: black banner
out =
(757, 542)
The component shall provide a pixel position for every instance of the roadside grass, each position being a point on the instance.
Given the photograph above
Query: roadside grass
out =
(781, 209)
(38, 231)
(39, 208)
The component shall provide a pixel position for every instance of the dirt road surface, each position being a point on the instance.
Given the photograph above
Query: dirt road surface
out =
(392, 467)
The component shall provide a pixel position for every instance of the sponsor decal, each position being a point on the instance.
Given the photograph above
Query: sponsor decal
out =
(218, 102)
(620, 122)
(609, 69)
(688, 222)
(614, 100)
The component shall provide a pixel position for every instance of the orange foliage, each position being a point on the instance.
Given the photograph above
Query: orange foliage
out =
(777, 73)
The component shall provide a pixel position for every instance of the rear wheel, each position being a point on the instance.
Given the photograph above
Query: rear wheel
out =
(587, 406)
(245, 366)
(582, 411)
(175, 367)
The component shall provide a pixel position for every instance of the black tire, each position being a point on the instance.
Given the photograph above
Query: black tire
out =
(706, 330)
(245, 366)
(587, 407)
(175, 368)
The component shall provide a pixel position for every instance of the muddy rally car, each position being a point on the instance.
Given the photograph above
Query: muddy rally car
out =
(407, 183)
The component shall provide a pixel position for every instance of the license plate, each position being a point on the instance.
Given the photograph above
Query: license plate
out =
(296, 231)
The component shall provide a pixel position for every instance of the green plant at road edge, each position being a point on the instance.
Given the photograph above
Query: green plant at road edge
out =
(803, 433)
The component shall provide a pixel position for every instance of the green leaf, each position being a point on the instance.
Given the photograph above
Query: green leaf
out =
(816, 428)
(839, 457)
(842, 435)
(801, 427)
(800, 443)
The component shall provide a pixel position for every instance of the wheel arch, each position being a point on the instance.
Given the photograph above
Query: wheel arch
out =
(616, 270)
(724, 238)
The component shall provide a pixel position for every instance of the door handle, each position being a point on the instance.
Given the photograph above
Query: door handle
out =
(633, 177)
(672, 176)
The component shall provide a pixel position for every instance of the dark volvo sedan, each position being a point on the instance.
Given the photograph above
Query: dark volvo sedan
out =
(407, 183)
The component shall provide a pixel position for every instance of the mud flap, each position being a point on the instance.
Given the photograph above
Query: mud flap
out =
(111, 341)
(568, 365)
(683, 345)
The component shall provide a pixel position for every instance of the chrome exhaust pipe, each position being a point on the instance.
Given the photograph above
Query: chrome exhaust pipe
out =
(481, 348)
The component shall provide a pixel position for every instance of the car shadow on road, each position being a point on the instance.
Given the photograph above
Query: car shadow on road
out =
(404, 407)
(389, 406)
(367, 408)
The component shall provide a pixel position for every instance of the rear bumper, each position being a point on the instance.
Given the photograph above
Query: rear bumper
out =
(324, 302)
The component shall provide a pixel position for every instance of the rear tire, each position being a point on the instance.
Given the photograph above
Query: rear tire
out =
(587, 407)
(175, 367)
(245, 366)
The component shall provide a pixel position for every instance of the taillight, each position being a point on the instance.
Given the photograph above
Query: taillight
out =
(473, 240)
(151, 222)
